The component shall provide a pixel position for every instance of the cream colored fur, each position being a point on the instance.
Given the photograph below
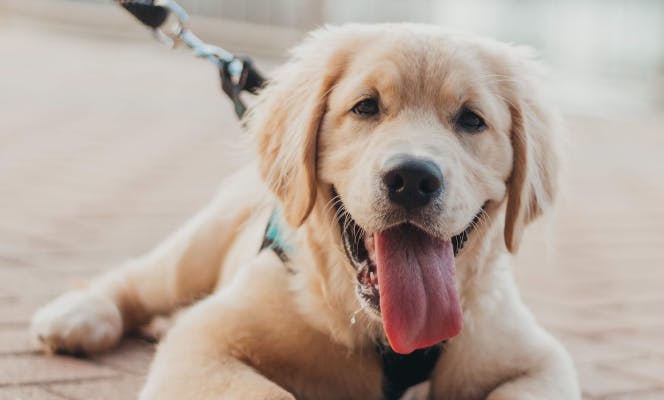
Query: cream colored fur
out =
(258, 330)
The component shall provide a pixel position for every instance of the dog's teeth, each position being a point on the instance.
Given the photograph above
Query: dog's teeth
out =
(372, 275)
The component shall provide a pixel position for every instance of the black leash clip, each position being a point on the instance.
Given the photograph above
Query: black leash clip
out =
(237, 76)
(150, 14)
(157, 14)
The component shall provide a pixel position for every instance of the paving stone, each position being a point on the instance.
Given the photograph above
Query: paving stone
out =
(121, 388)
(588, 349)
(132, 356)
(649, 395)
(18, 311)
(26, 369)
(27, 393)
(48, 282)
(649, 366)
(14, 340)
(650, 341)
(601, 382)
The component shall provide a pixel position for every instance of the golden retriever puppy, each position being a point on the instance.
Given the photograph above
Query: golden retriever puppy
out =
(367, 251)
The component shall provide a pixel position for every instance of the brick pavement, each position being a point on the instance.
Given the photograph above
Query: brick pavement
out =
(97, 146)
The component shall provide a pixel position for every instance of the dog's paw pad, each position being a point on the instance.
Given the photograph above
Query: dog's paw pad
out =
(77, 322)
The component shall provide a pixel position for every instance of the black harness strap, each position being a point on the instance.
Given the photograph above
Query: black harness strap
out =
(248, 80)
(403, 371)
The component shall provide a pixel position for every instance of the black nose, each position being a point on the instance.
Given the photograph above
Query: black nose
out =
(412, 182)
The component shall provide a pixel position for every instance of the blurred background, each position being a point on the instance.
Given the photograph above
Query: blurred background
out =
(109, 141)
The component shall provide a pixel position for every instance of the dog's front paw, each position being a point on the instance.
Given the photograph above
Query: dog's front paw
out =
(77, 322)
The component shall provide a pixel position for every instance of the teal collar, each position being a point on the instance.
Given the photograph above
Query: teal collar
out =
(275, 237)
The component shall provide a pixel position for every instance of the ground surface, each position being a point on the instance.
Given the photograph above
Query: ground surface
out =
(106, 147)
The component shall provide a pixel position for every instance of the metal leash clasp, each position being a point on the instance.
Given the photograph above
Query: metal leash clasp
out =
(170, 36)
(179, 33)
(237, 74)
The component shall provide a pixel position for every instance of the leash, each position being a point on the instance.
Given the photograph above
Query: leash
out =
(237, 74)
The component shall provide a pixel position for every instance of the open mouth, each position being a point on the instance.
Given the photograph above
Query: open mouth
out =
(360, 248)
(406, 277)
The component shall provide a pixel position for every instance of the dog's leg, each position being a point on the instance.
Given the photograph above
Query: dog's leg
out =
(540, 370)
(194, 361)
(501, 352)
(185, 267)
(550, 377)
(206, 354)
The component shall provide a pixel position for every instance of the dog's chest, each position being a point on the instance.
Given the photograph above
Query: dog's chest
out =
(326, 373)
(317, 373)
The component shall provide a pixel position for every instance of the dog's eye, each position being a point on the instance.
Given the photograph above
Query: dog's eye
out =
(366, 107)
(468, 121)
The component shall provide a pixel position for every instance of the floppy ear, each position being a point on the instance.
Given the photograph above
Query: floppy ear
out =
(286, 121)
(535, 141)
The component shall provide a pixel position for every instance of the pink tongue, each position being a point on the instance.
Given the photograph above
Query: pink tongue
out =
(418, 298)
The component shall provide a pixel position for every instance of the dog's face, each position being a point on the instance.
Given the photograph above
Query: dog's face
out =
(415, 133)
(402, 135)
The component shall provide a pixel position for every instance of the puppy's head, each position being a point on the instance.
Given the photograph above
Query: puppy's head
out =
(402, 136)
